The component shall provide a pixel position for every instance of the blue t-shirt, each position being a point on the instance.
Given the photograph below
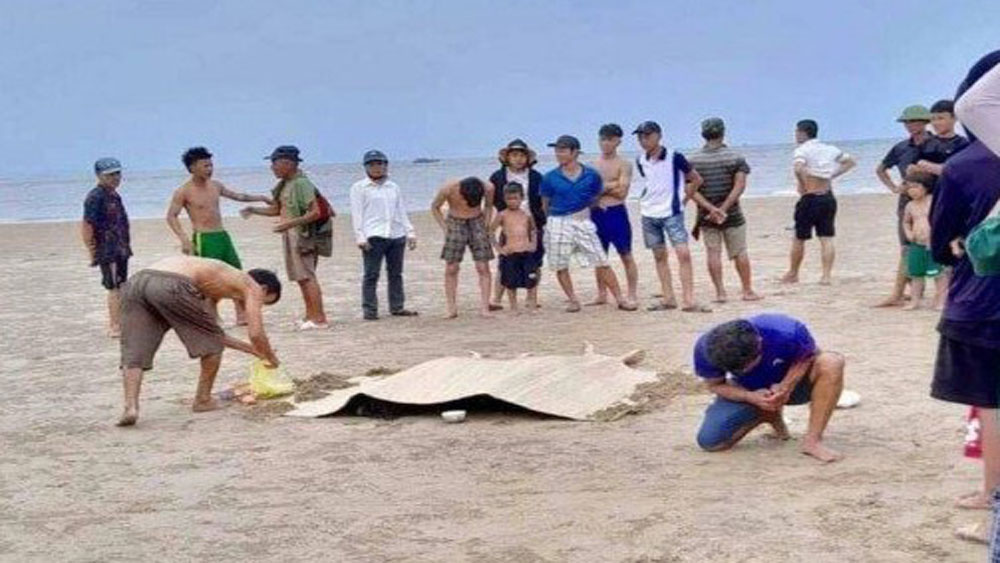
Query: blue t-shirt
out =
(784, 341)
(569, 196)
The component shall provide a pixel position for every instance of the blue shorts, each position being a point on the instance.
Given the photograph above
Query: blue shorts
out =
(656, 231)
(613, 228)
(725, 418)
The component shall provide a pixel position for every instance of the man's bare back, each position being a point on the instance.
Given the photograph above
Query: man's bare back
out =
(518, 229)
(616, 173)
(214, 278)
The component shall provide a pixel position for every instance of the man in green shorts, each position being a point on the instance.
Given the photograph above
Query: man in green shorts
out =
(199, 196)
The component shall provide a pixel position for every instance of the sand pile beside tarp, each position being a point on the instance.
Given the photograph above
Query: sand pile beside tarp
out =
(575, 387)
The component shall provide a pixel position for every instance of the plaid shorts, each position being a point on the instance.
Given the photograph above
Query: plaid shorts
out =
(566, 236)
(461, 233)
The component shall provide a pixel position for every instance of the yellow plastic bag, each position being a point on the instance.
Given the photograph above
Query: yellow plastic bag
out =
(267, 383)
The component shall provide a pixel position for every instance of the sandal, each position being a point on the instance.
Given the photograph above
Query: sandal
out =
(662, 307)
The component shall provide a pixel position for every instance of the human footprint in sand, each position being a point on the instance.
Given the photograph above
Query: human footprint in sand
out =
(755, 367)
(181, 293)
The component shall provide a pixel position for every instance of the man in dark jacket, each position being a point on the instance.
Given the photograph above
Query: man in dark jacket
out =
(517, 160)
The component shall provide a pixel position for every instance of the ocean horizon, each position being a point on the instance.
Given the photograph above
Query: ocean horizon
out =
(147, 193)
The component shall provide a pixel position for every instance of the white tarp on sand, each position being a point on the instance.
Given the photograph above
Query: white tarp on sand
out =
(574, 387)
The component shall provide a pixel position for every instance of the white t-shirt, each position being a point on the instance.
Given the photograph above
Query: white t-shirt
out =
(820, 159)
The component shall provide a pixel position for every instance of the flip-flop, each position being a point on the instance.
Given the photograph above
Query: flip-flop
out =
(697, 309)
(848, 399)
(629, 307)
(662, 307)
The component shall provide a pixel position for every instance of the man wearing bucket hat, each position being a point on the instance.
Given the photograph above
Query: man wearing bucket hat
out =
(382, 230)
(517, 160)
(966, 371)
(105, 233)
(919, 145)
(296, 203)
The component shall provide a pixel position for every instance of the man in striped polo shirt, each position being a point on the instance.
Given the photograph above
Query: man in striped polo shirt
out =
(720, 219)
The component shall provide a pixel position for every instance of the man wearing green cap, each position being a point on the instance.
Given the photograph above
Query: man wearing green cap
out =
(919, 145)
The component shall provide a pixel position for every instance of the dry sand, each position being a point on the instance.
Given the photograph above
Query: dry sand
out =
(230, 486)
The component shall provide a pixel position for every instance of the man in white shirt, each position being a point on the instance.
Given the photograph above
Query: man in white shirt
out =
(816, 164)
(382, 230)
(666, 179)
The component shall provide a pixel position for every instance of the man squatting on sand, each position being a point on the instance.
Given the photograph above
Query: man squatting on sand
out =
(181, 293)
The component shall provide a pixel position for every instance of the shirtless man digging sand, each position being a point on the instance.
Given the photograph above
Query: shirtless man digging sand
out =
(181, 293)
(199, 196)
(610, 215)
(470, 207)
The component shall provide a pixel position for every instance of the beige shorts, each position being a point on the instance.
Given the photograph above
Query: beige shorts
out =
(735, 239)
(154, 302)
(299, 265)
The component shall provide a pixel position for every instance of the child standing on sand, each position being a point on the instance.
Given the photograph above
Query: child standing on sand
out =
(917, 228)
(517, 243)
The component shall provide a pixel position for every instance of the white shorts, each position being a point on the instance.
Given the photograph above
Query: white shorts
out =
(566, 236)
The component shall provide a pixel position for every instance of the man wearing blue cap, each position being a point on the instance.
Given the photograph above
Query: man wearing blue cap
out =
(382, 230)
(105, 232)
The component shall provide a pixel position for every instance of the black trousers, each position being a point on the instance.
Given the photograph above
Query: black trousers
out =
(392, 251)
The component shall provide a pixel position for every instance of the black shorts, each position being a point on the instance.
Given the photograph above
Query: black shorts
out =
(519, 270)
(815, 211)
(114, 273)
(967, 374)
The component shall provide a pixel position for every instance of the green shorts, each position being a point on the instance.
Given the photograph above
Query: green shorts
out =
(218, 245)
(919, 263)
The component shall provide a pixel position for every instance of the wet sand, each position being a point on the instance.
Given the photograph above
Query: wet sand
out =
(227, 485)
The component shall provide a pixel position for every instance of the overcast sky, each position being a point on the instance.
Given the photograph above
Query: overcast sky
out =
(451, 78)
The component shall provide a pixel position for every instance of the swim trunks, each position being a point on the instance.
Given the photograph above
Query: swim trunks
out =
(462, 233)
(613, 228)
(919, 263)
(815, 211)
(218, 245)
(519, 270)
(154, 302)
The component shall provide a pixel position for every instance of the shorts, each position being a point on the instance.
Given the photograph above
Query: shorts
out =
(656, 231)
(154, 302)
(613, 228)
(567, 236)
(114, 273)
(724, 419)
(461, 233)
(735, 239)
(920, 263)
(218, 245)
(815, 211)
(299, 265)
(966, 374)
(518, 270)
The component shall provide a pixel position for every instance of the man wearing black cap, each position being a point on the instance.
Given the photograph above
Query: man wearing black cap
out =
(666, 177)
(382, 230)
(517, 160)
(568, 193)
(296, 202)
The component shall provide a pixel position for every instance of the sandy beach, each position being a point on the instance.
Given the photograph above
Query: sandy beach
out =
(234, 485)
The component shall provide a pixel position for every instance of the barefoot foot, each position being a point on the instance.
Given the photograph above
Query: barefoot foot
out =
(974, 501)
(752, 296)
(128, 418)
(816, 449)
(790, 278)
(205, 406)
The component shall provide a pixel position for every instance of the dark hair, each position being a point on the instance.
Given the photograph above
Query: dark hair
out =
(609, 130)
(927, 180)
(194, 154)
(713, 134)
(943, 106)
(809, 127)
(513, 188)
(472, 190)
(268, 280)
(733, 345)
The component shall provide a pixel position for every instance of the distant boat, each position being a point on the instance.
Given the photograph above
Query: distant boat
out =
(426, 160)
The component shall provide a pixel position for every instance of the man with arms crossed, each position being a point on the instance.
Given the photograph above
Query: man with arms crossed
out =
(181, 293)
(610, 215)
(816, 165)
(199, 196)
(755, 367)
(470, 210)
